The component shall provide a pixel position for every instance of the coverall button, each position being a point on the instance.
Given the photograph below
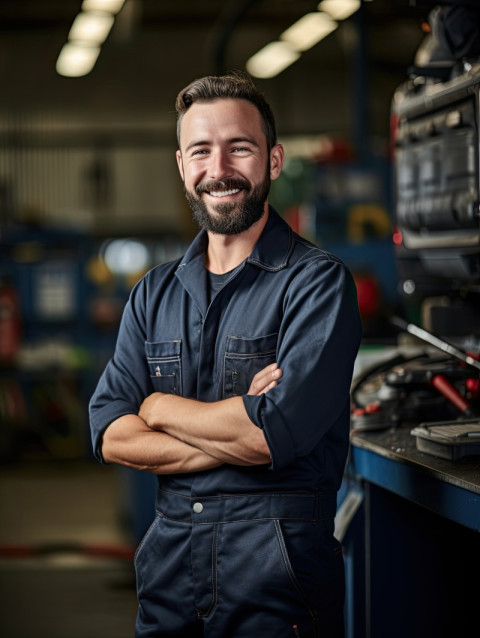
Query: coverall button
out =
(197, 508)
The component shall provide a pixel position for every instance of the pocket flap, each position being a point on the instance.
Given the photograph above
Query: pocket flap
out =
(163, 349)
(241, 346)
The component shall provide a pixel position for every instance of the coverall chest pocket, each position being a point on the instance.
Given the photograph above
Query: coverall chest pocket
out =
(165, 366)
(243, 359)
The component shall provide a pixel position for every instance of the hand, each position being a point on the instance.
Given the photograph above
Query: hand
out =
(265, 380)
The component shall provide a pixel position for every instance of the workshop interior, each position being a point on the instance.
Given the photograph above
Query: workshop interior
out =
(378, 112)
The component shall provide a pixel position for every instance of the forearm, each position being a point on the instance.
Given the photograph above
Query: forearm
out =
(129, 441)
(221, 429)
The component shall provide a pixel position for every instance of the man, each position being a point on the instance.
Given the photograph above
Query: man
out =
(230, 380)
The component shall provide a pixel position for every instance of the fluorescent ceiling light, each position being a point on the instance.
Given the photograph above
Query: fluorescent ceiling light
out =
(271, 60)
(91, 27)
(339, 9)
(112, 6)
(309, 30)
(76, 59)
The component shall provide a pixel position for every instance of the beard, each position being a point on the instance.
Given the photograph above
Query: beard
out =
(229, 218)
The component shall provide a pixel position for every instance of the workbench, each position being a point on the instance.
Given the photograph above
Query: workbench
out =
(412, 549)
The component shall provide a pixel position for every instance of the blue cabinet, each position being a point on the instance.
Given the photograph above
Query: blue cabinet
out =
(412, 550)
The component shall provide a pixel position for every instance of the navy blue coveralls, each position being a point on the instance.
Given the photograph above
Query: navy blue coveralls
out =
(240, 552)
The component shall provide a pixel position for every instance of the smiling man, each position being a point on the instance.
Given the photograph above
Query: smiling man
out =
(230, 381)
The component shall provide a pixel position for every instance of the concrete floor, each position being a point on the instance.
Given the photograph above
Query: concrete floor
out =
(65, 552)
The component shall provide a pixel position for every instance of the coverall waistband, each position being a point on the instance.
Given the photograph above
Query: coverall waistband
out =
(218, 509)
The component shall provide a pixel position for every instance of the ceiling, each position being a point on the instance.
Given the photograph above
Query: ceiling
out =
(343, 86)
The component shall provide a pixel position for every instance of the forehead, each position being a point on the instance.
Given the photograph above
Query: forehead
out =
(221, 118)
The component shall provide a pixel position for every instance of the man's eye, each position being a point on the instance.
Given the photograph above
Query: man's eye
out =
(200, 151)
(241, 149)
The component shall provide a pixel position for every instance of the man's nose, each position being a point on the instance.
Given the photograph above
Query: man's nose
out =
(220, 165)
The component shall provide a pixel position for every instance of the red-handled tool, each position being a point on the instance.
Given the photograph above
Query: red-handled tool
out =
(449, 392)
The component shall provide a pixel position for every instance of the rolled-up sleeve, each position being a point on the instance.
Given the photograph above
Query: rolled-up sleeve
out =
(125, 381)
(318, 342)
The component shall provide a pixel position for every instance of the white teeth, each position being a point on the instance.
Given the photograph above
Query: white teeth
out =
(224, 193)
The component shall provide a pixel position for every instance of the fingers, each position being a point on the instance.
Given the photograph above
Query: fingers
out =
(265, 380)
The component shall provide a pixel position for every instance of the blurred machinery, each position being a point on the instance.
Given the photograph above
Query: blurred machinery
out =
(435, 138)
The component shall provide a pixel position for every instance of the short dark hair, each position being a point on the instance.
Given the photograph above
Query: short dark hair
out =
(234, 84)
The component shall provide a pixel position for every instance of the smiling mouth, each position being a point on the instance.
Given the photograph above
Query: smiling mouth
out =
(222, 188)
(232, 191)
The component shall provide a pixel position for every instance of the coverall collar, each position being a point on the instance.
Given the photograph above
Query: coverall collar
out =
(271, 252)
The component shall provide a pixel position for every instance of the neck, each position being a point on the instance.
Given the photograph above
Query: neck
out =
(226, 252)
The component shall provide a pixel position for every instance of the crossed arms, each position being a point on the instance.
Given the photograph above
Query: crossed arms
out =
(172, 434)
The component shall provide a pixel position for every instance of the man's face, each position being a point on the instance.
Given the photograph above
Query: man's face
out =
(225, 165)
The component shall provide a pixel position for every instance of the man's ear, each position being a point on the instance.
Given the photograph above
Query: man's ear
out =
(277, 155)
(180, 164)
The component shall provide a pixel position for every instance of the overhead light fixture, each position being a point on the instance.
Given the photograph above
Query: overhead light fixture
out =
(111, 6)
(91, 26)
(77, 59)
(339, 9)
(88, 32)
(271, 60)
(309, 30)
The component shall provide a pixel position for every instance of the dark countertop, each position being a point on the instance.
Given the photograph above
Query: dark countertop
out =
(399, 445)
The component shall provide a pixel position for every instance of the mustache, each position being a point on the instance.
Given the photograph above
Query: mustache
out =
(222, 184)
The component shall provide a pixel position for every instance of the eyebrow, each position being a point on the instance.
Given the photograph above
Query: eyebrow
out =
(194, 144)
(248, 140)
(234, 140)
